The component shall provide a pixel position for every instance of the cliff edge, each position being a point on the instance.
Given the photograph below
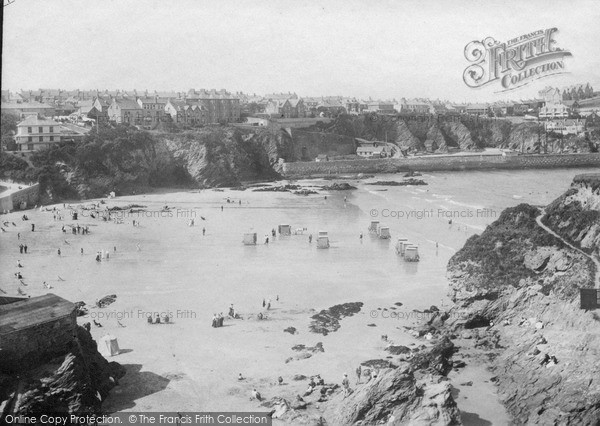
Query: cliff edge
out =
(516, 289)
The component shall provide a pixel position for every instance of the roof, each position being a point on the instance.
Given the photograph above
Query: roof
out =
(25, 105)
(477, 106)
(34, 120)
(371, 149)
(73, 128)
(33, 311)
(127, 104)
(152, 100)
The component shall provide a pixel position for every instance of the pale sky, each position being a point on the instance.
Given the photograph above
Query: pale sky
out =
(382, 49)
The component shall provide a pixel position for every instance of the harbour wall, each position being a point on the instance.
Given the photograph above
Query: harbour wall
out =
(440, 163)
(11, 200)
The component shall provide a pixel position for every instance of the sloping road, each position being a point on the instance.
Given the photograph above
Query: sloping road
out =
(591, 257)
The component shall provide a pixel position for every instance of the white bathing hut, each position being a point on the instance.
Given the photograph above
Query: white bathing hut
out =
(400, 245)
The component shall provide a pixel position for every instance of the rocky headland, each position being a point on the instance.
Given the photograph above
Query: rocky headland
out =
(516, 289)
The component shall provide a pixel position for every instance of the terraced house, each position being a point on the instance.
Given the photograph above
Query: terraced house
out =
(154, 110)
(191, 114)
(220, 106)
(126, 111)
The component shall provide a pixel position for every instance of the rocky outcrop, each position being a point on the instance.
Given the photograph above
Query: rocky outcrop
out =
(576, 214)
(460, 135)
(516, 289)
(405, 138)
(435, 140)
(76, 382)
(525, 137)
(401, 395)
(225, 156)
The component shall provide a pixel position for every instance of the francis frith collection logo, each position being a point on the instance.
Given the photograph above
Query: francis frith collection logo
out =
(514, 63)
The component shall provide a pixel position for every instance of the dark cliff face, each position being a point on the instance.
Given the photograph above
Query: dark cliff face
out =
(576, 214)
(125, 160)
(467, 133)
(76, 382)
(225, 156)
(518, 285)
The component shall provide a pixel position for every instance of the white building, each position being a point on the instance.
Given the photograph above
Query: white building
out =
(35, 132)
(565, 127)
(554, 111)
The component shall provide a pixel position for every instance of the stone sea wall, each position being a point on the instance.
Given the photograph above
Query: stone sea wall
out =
(442, 163)
(12, 201)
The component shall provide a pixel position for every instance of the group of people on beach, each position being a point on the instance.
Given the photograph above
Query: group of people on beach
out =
(83, 230)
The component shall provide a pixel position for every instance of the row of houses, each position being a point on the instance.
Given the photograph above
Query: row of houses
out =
(142, 109)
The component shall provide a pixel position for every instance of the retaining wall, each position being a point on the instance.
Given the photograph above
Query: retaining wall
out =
(443, 163)
(12, 200)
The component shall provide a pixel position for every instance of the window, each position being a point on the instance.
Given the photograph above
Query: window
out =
(41, 139)
(51, 138)
(51, 129)
(29, 130)
(30, 139)
(40, 129)
(30, 147)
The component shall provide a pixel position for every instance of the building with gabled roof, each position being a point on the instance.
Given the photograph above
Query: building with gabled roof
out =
(126, 111)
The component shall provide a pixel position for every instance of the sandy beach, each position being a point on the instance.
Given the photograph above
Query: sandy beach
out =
(166, 266)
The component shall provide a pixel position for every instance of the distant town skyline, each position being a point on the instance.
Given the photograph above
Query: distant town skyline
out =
(382, 50)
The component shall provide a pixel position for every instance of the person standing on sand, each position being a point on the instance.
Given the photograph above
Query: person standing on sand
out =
(358, 373)
(81, 250)
(25, 248)
(310, 238)
(58, 252)
(21, 248)
(214, 321)
(221, 208)
(264, 303)
(32, 227)
(203, 231)
(18, 235)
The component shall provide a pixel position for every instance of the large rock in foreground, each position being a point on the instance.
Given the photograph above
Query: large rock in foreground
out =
(75, 383)
(398, 397)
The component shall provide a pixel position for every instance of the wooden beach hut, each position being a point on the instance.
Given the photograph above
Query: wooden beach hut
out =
(411, 254)
(285, 229)
(250, 238)
(373, 226)
(384, 233)
(323, 242)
